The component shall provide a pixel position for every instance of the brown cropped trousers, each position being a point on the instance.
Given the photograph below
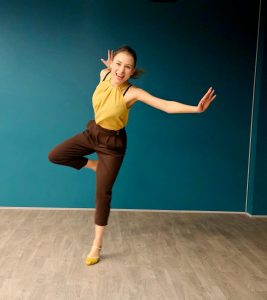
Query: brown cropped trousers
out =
(110, 147)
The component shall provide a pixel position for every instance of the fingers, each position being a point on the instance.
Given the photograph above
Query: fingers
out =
(108, 61)
(110, 54)
(208, 97)
(210, 91)
(213, 98)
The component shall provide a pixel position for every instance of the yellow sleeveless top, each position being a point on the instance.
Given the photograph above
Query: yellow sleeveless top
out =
(109, 105)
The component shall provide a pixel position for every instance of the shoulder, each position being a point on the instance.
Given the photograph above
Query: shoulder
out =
(139, 94)
(103, 73)
(135, 92)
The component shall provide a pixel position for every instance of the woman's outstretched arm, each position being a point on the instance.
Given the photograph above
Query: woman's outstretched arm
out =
(173, 107)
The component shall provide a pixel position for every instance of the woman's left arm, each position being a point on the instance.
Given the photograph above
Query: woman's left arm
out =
(173, 107)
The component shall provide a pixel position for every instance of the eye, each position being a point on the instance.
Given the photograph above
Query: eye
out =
(118, 64)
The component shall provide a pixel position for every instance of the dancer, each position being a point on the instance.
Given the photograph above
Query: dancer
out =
(106, 135)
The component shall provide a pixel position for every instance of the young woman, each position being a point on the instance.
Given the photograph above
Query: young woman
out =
(106, 134)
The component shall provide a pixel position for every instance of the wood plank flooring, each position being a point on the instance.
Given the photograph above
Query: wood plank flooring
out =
(146, 256)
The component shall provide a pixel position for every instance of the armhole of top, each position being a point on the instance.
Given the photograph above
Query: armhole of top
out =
(106, 76)
(127, 89)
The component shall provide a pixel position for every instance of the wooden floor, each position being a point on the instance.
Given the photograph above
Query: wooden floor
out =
(146, 255)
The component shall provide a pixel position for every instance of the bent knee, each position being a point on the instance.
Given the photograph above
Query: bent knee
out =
(53, 157)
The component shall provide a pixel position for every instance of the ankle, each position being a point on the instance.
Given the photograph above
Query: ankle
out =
(91, 164)
(97, 243)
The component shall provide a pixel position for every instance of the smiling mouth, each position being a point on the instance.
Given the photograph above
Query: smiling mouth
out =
(120, 77)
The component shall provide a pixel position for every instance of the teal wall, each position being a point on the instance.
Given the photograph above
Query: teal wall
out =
(49, 66)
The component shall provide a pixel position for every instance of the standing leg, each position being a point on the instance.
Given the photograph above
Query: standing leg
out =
(106, 174)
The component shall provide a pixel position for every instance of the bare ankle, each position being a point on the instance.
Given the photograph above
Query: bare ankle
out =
(97, 243)
(91, 164)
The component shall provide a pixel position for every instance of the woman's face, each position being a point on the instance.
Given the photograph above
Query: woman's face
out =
(122, 67)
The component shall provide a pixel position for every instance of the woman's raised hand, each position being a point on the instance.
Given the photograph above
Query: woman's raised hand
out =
(206, 100)
(109, 60)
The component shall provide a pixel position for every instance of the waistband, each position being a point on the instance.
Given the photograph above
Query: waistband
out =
(109, 131)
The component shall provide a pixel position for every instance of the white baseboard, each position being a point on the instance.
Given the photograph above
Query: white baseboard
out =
(139, 210)
(256, 216)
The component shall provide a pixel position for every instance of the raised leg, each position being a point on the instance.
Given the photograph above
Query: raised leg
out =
(72, 151)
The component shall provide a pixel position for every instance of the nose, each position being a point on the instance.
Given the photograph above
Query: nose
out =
(121, 69)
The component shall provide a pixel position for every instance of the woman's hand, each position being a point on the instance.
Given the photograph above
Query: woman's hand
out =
(109, 60)
(206, 100)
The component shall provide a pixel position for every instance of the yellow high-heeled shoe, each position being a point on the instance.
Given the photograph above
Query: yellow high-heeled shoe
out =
(93, 260)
